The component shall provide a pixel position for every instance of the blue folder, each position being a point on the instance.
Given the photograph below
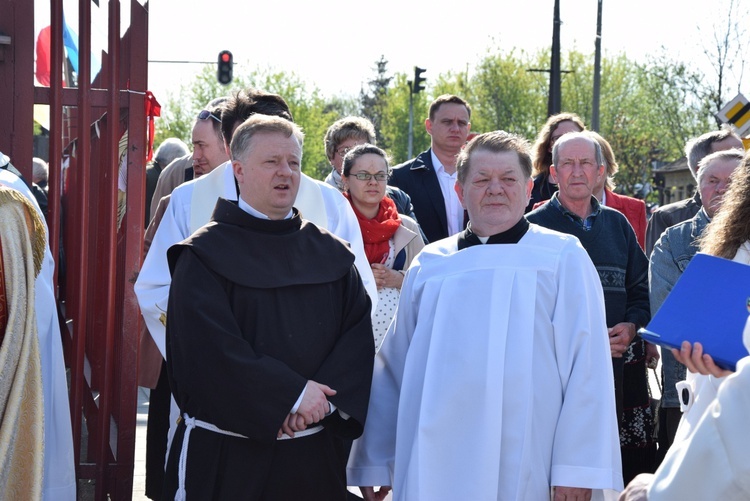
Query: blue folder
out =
(709, 304)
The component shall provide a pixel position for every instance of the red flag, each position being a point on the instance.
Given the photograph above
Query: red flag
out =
(153, 110)
(43, 57)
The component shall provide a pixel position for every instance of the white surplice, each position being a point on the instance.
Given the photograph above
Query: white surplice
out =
(191, 206)
(59, 481)
(495, 378)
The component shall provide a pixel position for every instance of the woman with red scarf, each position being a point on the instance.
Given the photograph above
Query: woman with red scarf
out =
(391, 239)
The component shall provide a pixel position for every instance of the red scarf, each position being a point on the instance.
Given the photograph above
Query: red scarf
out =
(376, 232)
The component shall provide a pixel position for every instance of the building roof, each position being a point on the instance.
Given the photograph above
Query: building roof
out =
(676, 166)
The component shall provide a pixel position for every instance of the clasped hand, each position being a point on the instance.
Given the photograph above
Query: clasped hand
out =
(386, 277)
(620, 337)
(313, 408)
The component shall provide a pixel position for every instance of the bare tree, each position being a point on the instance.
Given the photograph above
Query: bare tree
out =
(725, 49)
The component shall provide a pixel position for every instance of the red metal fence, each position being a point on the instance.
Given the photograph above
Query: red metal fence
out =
(97, 303)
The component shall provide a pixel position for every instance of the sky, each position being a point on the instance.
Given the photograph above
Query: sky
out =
(333, 44)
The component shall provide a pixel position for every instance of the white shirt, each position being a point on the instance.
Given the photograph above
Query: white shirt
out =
(454, 211)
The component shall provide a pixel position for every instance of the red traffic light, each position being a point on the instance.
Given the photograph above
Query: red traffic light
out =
(224, 70)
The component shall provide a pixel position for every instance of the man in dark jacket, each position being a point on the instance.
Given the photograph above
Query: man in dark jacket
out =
(429, 178)
(677, 212)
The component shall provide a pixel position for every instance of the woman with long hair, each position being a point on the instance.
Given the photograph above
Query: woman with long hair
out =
(553, 129)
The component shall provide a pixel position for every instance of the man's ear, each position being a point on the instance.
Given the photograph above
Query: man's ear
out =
(239, 171)
(460, 192)
(553, 174)
(428, 126)
(529, 187)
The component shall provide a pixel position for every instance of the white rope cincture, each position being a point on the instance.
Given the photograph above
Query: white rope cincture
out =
(191, 423)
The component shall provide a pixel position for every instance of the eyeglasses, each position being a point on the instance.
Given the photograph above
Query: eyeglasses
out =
(205, 115)
(366, 176)
(344, 150)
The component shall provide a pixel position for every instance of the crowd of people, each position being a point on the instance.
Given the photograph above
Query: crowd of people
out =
(463, 325)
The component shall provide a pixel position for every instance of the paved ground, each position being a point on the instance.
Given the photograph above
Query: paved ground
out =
(139, 470)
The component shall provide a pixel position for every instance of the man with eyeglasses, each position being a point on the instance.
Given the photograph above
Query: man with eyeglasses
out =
(208, 143)
(577, 167)
(429, 178)
(208, 153)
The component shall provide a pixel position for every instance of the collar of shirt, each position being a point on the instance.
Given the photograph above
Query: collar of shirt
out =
(585, 223)
(254, 212)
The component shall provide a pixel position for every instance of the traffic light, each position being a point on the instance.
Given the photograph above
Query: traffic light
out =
(224, 73)
(418, 80)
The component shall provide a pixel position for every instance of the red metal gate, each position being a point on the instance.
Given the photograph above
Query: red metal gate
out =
(95, 291)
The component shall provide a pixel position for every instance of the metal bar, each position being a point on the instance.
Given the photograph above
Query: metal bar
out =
(134, 49)
(16, 78)
(108, 229)
(597, 69)
(81, 203)
(55, 186)
(98, 98)
(554, 102)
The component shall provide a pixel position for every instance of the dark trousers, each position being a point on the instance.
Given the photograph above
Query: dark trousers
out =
(156, 435)
(669, 419)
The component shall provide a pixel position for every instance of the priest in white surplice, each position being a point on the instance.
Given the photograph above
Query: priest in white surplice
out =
(495, 379)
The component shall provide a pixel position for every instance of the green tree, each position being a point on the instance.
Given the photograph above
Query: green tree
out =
(505, 95)
(647, 110)
(395, 120)
(309, 109)
(179, 111)
(374, 101)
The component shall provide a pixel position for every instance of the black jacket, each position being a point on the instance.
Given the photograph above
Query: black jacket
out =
(417, 177)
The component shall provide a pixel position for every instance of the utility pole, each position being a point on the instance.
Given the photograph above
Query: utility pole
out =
(554, 104)
(597, 69)
(411, 120)
(415, 87)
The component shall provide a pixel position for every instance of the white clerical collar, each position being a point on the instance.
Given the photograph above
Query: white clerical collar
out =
(483, 239)
(254, 212)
